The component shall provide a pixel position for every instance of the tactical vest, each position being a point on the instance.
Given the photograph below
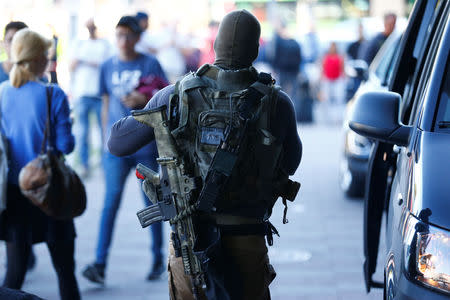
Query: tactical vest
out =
(202, 105)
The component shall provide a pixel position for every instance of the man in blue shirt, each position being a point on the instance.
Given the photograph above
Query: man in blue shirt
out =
(120, 77)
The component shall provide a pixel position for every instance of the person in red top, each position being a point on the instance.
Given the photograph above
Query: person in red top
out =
(332, 84)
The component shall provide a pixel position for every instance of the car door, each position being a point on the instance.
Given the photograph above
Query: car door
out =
(410, 191)
(382, 162)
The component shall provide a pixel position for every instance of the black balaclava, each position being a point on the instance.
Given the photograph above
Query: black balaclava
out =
(237, 42)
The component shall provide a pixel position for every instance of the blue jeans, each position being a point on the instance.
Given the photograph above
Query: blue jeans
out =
(116, 171)
(85, 106)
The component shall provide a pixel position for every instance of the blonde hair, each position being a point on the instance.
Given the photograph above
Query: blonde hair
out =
(26, 47)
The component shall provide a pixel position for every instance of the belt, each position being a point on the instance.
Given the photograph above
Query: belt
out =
(223, 219)
(238, 225)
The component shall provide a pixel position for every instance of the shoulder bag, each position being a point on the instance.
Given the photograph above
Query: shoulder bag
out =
(49, 182)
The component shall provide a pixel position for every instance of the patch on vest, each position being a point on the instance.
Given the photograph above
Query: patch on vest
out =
(211, 135)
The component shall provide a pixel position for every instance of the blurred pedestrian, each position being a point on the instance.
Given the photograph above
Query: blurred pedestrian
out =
(286, 58)
(369, 49)
(310, 47)
(85, 73)
(53, 53)
(308, 77)
(208, 55)
(120, 75)
(10, 30)
(5, 67)
(353, 48)
(170, 47)
(23, 107)
(146, 43)
(332, 84)
(191, 52)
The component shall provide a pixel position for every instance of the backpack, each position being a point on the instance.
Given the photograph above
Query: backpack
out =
(201, 108)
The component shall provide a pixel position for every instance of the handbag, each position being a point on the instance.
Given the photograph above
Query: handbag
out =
(49, 183)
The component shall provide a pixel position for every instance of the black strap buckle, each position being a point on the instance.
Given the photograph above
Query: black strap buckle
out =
(285, 219)
(270, 231)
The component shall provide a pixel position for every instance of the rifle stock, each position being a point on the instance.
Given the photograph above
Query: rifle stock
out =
(157, 119)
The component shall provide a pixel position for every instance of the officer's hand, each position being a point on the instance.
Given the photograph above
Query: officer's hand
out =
(135, 100)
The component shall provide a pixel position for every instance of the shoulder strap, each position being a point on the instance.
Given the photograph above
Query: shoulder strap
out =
(47, 135)
(189, 82)
(265, 86)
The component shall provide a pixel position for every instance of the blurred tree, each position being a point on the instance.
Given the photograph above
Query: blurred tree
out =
(379, 7)
(356, 8)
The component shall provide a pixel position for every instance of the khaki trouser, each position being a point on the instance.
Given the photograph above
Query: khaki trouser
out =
(250, 255)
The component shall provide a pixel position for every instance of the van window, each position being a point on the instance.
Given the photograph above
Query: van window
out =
(446, 99)
(443, 116)
(416, 91)
(386, 64)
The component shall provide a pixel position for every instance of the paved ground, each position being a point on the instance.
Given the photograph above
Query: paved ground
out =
(319, 255)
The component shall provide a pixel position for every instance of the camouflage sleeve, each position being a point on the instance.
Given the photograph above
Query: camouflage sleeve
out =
(128, 135)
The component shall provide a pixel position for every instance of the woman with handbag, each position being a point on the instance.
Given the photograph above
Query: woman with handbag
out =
(23, 108)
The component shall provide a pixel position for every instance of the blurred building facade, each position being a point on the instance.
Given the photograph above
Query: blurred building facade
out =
(66, 18)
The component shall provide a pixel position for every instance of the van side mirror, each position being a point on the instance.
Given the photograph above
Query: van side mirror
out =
(376, 115)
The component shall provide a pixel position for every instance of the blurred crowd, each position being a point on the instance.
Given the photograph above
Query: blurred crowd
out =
(108, 79)
(313, 71)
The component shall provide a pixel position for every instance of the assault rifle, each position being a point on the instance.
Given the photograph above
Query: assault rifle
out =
(171, 194)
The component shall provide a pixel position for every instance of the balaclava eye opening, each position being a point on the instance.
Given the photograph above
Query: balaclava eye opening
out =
(237, 42)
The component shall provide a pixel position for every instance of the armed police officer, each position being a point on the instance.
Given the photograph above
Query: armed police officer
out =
(227, 142)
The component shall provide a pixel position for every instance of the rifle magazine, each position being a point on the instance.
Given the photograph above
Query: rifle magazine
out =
(149, 215)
